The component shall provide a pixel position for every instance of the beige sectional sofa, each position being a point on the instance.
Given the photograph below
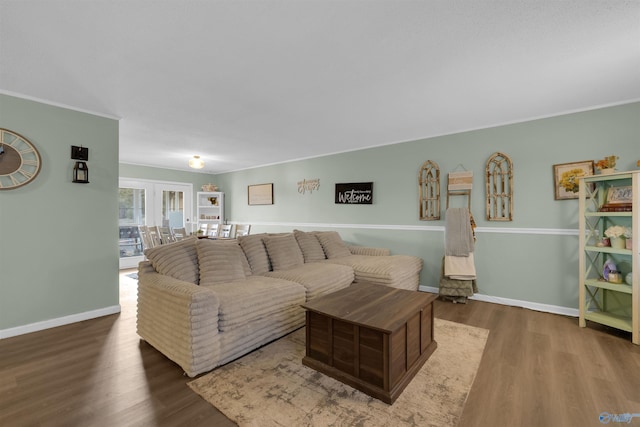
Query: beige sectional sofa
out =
(203, 303)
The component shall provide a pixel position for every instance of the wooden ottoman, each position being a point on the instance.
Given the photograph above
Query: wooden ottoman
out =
(372, 337)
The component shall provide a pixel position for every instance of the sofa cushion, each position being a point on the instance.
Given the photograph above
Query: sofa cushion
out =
(255, 298)
(220, 261)
(283, 251)
(318, 278)
(398, 271)
(178, 260)
(256, 253)
(332, 244)
(310, 246)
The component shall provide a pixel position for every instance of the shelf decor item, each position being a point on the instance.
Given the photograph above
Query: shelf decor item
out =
(618, 200)
(616, 234)
(609, 266)
(607, 165)
(209, 188)
(567, 176)
(618, 243)
(615, 277)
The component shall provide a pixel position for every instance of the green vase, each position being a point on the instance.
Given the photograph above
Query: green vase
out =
(618, 242)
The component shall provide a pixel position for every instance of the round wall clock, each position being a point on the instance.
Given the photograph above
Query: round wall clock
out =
(19, 160)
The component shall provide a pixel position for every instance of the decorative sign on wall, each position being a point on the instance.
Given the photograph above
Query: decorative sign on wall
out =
(308, 185)
(358, 193)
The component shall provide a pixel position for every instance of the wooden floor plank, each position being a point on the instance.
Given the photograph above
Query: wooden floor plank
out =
(537, 369)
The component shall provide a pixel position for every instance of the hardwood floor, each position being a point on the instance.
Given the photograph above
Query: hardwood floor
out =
(538, 369)
(541, 369)
(96, 373)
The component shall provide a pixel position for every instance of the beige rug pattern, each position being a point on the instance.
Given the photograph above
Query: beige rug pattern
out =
(271, 387)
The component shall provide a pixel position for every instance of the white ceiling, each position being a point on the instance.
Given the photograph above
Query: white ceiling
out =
(249, 83)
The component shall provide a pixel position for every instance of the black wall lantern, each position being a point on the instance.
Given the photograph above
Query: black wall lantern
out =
(80, 169)
(81, 173)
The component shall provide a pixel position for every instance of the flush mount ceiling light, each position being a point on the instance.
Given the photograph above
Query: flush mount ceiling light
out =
(196, 162)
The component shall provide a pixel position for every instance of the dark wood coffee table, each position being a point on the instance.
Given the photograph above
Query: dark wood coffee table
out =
(372, 337)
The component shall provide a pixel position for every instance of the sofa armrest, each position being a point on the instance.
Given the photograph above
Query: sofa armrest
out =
(364, 250)
(179, 319)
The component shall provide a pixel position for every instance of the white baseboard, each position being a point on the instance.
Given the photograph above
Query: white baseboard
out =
(60, 321)
(547, 308)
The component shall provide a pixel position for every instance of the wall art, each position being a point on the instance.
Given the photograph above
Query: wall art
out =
(499, 188)
(566, 178)
(261, 194)
(429, 189)
(358, 193)
(308, 185)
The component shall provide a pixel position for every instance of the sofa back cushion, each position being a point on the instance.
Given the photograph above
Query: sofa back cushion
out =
(178, 260)
(283, 251)
(333, 245)
(310, 246)
(221, 261)
(256, 253)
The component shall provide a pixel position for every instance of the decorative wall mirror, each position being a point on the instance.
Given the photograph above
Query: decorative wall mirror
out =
(429, 188)
(499, 188)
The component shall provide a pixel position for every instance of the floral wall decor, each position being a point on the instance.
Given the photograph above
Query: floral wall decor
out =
(566, 178)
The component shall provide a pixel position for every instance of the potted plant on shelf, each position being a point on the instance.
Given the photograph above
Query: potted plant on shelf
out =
(607, 165)
(617, 233)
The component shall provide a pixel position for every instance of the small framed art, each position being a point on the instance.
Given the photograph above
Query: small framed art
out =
(261, 194)
(620, 195)
(566, 178)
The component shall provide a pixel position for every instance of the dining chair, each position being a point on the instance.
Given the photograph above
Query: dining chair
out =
(144, 235)
(214, 230)
(154, 235)
(225, 231)
(242, 230)
(165, 235)
(179, 233)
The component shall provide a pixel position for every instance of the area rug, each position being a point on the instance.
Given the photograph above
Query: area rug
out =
(271, 387)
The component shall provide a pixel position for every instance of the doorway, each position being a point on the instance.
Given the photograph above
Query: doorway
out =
(150, 203)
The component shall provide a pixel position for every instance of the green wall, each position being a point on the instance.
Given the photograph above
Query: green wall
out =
(59, 240)
(59, 246)
(532, 259)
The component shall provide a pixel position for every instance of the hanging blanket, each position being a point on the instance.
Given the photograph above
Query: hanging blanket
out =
(457, 281)
(458, 233)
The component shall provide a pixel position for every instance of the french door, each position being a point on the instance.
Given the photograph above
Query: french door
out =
(151, 203)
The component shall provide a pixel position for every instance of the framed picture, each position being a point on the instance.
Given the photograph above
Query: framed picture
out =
(566, 176)
(261, 194)
(619, 195)
(357, 193)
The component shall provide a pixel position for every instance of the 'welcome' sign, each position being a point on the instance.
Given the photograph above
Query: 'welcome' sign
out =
(358, 193)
